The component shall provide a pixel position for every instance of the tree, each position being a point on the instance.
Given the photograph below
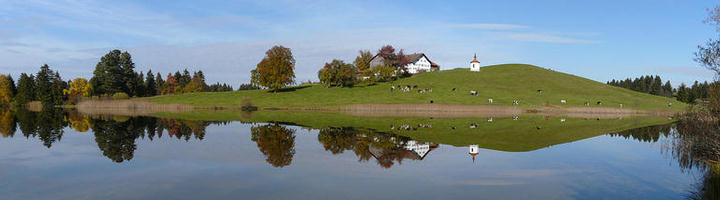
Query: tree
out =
(150, 88)
(159, 83)
(276, 70)
(6, 93)
(13, 87)
(384, 72)
(114, 73)
(44, 84)
(26, 89)
(170, 85)
(362, 62)
(79, 87)
(337, 73)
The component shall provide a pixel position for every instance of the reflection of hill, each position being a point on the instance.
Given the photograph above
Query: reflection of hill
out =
(528, 133)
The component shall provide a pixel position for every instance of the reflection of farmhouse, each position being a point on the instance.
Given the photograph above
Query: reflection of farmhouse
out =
(419, 62)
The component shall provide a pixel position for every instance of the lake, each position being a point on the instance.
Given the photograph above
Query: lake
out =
(291, 155)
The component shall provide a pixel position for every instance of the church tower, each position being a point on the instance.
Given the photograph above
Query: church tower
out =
(475, 64)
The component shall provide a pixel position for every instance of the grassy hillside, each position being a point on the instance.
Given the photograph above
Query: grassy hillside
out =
(528, 133)
(503, 83)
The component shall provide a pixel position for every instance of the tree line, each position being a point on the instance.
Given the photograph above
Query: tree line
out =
(114, 77)
(654, 85)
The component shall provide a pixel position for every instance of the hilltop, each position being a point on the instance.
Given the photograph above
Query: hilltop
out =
(503, 83)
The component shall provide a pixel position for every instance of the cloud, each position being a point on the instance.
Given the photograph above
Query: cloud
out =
(491, 26)
(539, 37)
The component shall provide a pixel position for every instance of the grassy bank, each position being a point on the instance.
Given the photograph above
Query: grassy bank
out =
(502, 83)
(528, 133)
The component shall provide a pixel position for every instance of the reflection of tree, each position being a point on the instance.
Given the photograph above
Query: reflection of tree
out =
(276, 142)
(50, 126)
(80, 123)
(696, 145)
(645, 134)
(7, 123)
(117, 139)
(387, 149)
(27, 122)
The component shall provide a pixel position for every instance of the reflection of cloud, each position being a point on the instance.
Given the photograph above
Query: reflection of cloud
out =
(527, 173)
(488, 182)
(539, 37)
(491, 26)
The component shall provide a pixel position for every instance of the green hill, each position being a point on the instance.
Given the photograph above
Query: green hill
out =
(503, 83)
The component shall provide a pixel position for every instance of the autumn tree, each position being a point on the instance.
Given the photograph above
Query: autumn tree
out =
(6, 91)
(708, 54)
(276, 70)
(362, 61)
(384, 72)
(337, 73)
(79, 87)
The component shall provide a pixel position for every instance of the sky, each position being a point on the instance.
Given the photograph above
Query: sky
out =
(599, 40)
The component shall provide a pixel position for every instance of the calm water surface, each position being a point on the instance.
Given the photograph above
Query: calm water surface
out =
(61, 156)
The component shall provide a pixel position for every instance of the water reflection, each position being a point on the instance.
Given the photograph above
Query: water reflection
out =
(387, 149)
(276, 142)
(413, 140)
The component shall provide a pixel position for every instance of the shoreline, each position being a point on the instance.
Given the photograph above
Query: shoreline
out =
(136, 107)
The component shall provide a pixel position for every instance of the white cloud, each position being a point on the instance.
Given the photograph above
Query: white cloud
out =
(539, 37)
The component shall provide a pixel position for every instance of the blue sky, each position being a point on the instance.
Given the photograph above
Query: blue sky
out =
(600, 40)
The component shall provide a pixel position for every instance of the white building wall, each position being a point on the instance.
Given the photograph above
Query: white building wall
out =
(423, 64)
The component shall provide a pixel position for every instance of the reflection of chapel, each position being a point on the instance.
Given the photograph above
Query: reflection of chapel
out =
(473, 151)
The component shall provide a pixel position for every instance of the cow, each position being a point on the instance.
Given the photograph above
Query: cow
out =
(599, 103)
(473, 92)
(587, 103)
(621, 105)
(490, 119)
(392, 88)
(563, 101)
(516, 117)
(431, 101)
(453, 128)
(515, 103)
(473, 125)
(562, 120)
(539, 91)
(453, 89)
(490, 101)
(670, 104)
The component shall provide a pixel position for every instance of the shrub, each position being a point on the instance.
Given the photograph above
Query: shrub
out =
(120, 95)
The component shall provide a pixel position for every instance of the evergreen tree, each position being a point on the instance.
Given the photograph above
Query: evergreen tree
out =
(159, 82)
(26, 89)
(114, 73)
(667, 89)
(13, 87)
(44, 85)
(150, 88)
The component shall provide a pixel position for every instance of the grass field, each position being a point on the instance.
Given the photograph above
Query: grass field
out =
(502, 83)
(528, 133)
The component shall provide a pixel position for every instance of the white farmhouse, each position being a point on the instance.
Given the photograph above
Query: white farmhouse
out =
(475, 64)
(419, 62)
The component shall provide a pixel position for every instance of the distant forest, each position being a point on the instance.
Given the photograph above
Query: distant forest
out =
(654, 85)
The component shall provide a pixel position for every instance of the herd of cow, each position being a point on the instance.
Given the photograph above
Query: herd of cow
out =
(408, 88)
